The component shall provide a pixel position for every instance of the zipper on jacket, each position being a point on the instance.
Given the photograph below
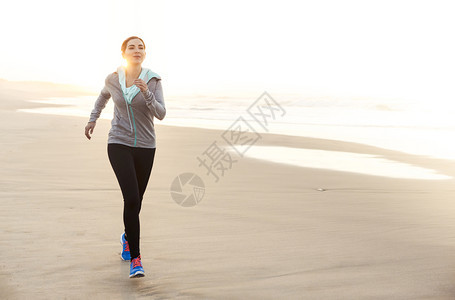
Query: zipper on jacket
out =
(134, 126)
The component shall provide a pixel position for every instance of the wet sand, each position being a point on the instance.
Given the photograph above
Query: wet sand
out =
(264, 231)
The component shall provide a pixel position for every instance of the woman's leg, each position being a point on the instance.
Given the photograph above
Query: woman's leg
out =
(123, 163)
(143, 163)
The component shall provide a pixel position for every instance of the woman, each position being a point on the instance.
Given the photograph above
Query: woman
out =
(138, 98)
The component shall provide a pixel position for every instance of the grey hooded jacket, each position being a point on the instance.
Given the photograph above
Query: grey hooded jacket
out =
(132, 124)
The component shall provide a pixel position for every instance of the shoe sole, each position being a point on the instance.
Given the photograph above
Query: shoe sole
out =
(121, 243)
(138, 274)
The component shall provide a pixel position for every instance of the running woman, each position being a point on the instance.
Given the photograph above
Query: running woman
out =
(138, 99)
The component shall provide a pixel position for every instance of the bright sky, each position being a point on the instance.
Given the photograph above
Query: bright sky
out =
(377, 48)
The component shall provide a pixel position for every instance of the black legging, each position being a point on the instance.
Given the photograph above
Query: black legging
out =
(132, 167)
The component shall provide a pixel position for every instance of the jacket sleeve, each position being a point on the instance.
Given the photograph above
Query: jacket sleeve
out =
(100, 103)
(155, 101)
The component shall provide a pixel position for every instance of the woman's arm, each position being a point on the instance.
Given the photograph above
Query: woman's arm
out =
(100, 104)
(155, 101)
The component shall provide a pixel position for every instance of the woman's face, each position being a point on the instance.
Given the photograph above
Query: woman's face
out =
(134, 52)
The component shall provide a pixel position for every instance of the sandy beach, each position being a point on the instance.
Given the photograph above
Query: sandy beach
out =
(264, 231)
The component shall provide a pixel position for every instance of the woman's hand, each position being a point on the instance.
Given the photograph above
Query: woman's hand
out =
(89, 128)
(141, 84)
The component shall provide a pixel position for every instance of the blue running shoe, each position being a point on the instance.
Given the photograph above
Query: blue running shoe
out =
(136, 269)
(125, 248)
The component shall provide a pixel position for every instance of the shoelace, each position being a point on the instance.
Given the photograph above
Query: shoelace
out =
(126, 246)
(137, 262)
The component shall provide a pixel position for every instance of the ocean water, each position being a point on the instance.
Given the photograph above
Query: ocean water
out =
(343, 161)
(415, 127)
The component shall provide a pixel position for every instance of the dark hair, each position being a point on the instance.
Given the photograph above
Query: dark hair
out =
(125, 43)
